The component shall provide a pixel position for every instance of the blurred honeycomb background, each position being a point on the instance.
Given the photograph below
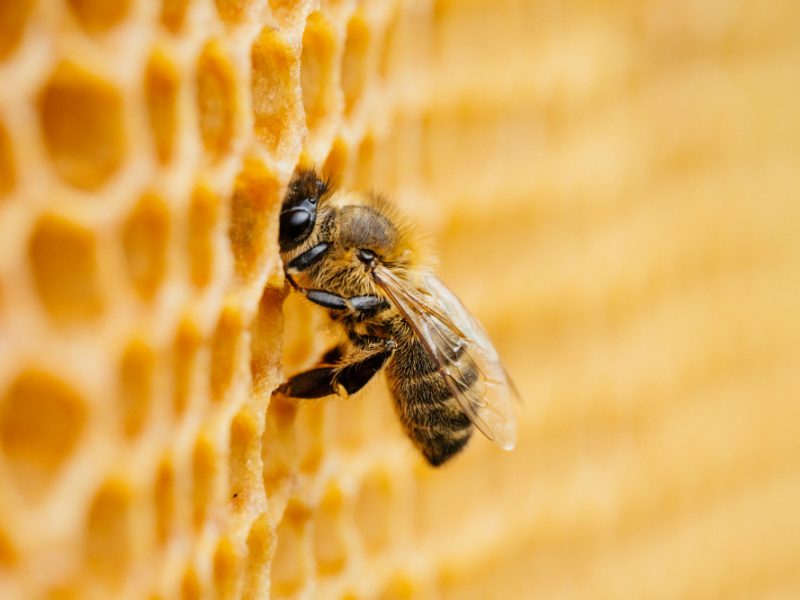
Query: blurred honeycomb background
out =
(614, 189)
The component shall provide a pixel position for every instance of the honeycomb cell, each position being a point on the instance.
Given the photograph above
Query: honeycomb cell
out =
(253, 229)
(41, 421)
(8, 167)
(228, 569)
(265, 342)
(232, 10)
(173, 14)
(260, 548)
(336, 162)
(204, 214)
(186, 346)
(330, 548)
(8, 552)
(136, 373)
(372, 505)
(245, 462)
(191, 586)
(354, 62)
(161, 95)
(290, 566)
(14, 15)
(145, 237)
(316, 72)
(65, 271)
(275, 93)
(164, 500)
(216, 100)
(99, 15)
(205, 473)
(225, 351)
(108, 545)
(82, 123)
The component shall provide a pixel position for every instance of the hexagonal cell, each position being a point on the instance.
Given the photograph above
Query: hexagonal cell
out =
(41, 421)
(205, 471)
(245, 460)
(186, 346)
(276, 103)
(216, 99)
(336, 162)
(165, 501)
(317, 73)
(145, 237)
(225, 350)
(260, 549)
(8, 167)
(204, 214)
(330, 548)
(65, 271)
(253, 229)
(82, 123)
(228, 571)
(291, 563)
(14, 15)
(108, 546)
(136, 372)
(173, 14)
(161, 95)
(191, 586)
(372, 505)
(233, 10)
(99, 15)
(354, 62)
(8, 552)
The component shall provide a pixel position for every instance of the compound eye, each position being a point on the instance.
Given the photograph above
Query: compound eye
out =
(296, 225)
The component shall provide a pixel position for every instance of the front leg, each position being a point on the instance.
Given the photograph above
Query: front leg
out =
(351, 375)
(361, 305)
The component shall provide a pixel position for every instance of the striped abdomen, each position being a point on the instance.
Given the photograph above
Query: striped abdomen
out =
(430, 415)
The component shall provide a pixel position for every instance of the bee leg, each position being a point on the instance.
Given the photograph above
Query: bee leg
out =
(310, 257)
(326, 379)
(356, 304)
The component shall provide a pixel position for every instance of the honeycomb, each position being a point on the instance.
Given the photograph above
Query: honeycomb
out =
(613, 188)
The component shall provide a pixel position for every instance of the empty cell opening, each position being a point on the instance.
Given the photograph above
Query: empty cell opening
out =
(82, 124)
(204, 472)
(260, 548)
(290, 568)
(253, 230)
(164, 499)
(136, 374)
(316, 72)
(108, 535)
(266, 339)
(204, 214)
(187, 343)
(225, 351)
(354, 62)
(216, 100)
(227, 571)
(232, 10)
(99, 15)
(64, 266)
(8, 168)
(161, 95)
(14, 15)
(330, 550)
(145, 237)
(373, 503)
(245, 462)
(336, 162)
(191, 586)
(173, 14)
(41, 421)
(276, 104)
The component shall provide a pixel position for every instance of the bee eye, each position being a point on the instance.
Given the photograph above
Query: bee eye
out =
(297, 223)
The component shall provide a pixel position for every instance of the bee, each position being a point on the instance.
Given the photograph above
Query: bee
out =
(352, 254)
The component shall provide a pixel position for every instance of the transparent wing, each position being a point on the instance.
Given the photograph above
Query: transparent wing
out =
(446, 330)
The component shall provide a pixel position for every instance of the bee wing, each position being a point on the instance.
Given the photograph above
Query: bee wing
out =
(446, 329)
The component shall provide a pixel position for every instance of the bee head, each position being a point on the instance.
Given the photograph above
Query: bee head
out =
(299, 210)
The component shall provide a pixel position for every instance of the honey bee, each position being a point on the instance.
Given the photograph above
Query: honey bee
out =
(354, 255)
